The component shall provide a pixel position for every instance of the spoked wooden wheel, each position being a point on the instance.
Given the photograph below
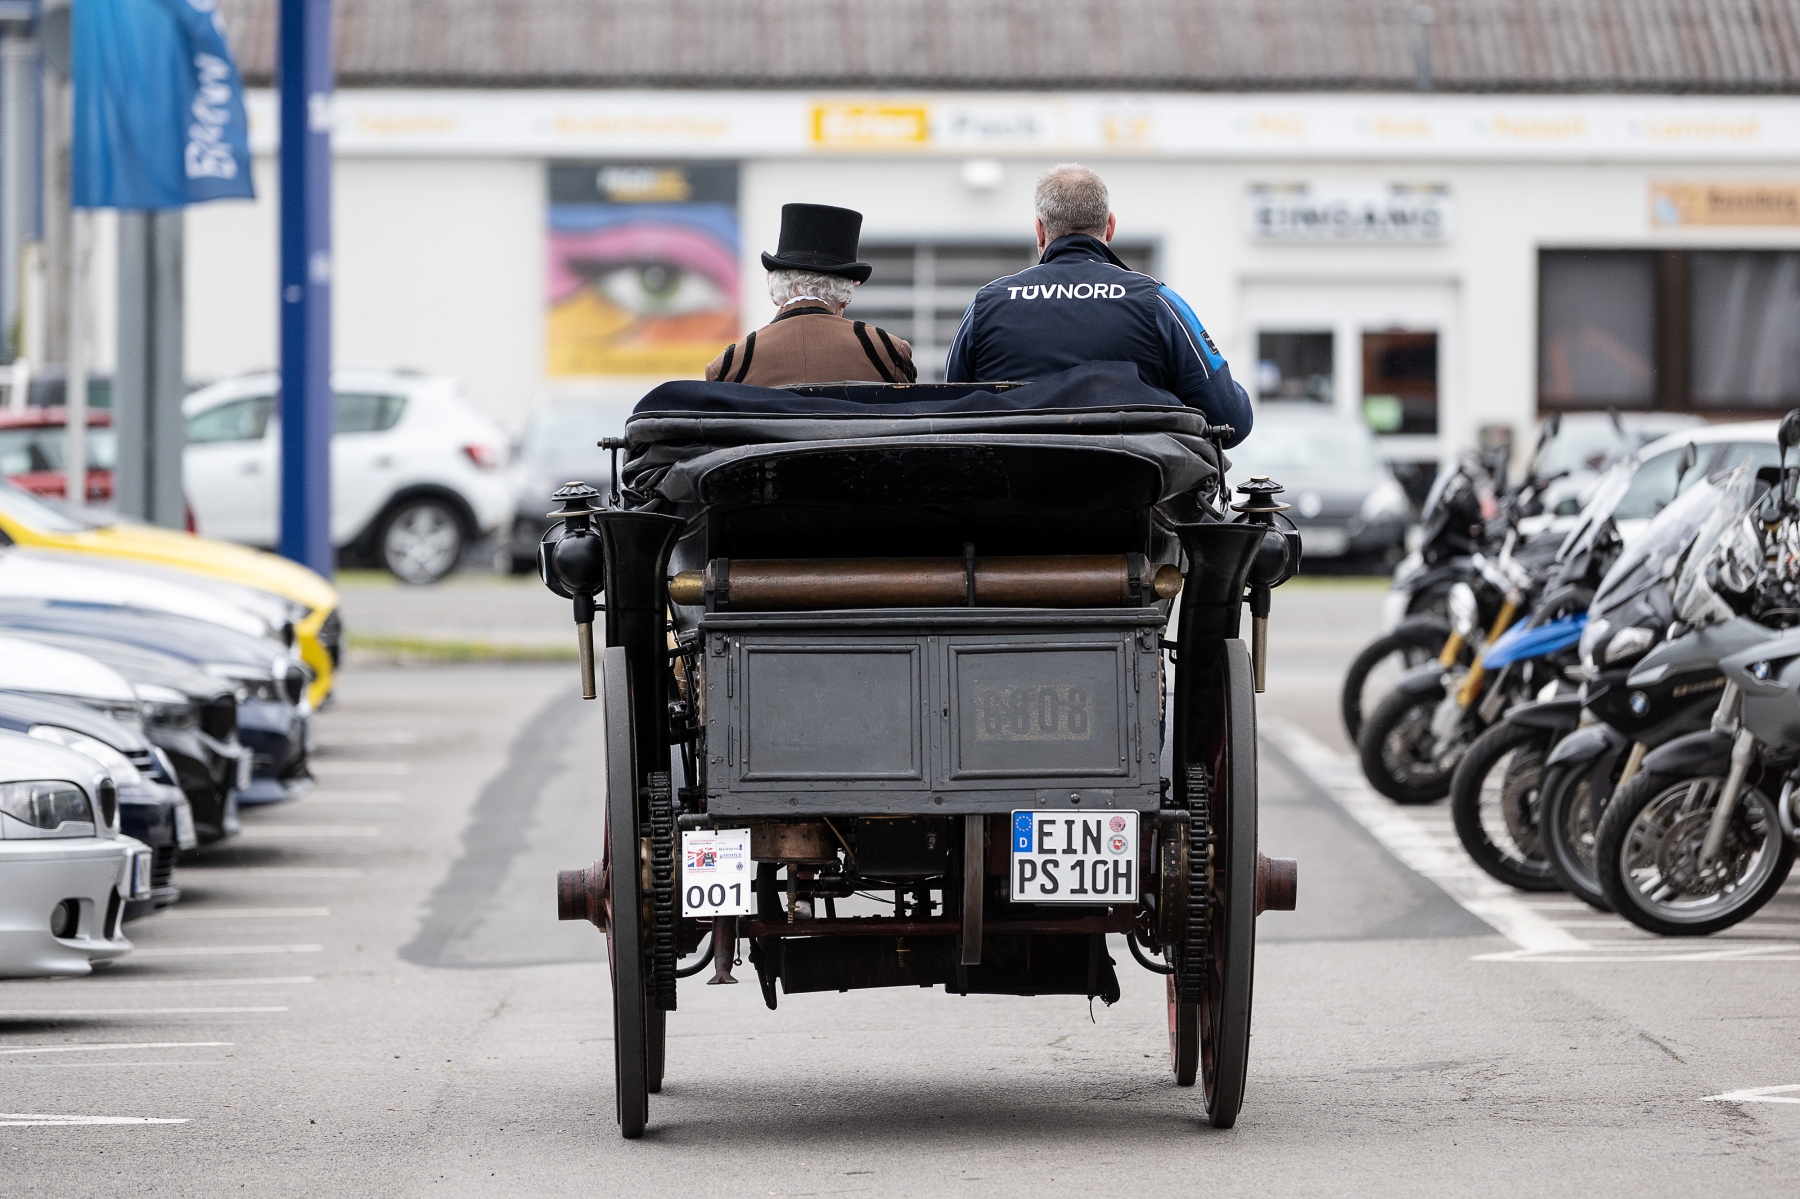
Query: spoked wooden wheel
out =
(624, 925)
(1225, 1000)
(1215, 904)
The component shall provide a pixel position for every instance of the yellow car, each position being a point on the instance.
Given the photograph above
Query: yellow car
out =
(28, 521)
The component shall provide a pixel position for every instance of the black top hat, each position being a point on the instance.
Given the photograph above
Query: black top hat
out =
(819, 238)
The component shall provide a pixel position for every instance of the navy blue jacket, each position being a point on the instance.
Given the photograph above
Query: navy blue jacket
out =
(1081, 304)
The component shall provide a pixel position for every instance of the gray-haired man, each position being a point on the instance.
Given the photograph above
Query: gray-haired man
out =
(1081, 304)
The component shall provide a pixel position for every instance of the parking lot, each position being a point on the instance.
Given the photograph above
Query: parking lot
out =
(368, 993)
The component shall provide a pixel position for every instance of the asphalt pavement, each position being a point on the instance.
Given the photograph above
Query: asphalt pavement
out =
(368, 993)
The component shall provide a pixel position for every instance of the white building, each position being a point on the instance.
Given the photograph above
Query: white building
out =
(1439, 261)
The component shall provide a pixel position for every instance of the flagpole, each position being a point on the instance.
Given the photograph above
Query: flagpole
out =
(305, 299)
(76, 383)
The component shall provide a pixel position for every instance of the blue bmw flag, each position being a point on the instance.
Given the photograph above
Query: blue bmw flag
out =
(159, 106)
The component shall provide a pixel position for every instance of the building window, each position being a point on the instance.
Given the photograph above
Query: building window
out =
(1597, 334)
(920, 290)
(1745, 330)
(1295, 366)
(1682, 330)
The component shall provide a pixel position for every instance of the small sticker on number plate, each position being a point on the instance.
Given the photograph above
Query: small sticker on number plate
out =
(1084, 857)
(716, 872)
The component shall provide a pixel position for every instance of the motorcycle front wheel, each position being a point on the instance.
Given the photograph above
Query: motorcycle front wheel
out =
(1647, 855)
(1399, 752)
(1568, 823)
(1496, 797)
(1373, 672)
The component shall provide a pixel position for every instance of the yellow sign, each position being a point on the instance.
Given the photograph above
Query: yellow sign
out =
(864, 126)
(1678, 204)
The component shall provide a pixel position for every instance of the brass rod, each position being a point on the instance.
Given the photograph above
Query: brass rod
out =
(584, 643)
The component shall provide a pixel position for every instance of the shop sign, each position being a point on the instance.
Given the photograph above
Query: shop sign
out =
(1349, 213)
(870, 126)
(1681, 204)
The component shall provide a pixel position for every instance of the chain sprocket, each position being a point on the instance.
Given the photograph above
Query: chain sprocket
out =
(1194, 954)
(662, 891)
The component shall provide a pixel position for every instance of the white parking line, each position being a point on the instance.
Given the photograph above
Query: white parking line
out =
(354, 798)
(301, 832)
(243, 913)
(54, 1012)
(107, 1048)
(369, 737)
(1449, 867)
(1757, 1095)
(351, 767)
(109, 984)
(39, 1120)
(220, 951)
(227, 873)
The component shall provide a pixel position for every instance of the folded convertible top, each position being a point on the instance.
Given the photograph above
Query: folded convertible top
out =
(683, 431)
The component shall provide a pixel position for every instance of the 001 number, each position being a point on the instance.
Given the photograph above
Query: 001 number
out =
(699, 898)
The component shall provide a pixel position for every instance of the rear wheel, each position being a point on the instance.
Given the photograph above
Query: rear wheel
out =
(421, 540)
(1648, 858)
(624, 924)
(1568, 823)
(1374, 671)
(1496, 800)
(1210, 992)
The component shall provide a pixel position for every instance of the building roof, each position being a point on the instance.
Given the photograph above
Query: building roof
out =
(1208, 45)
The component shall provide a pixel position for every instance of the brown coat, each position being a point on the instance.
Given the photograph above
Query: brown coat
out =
(806, 344)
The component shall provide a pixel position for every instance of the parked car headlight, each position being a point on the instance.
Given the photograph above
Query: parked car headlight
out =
(1464, 611)
(110, 759)
(46, 804)
(1627, 643)
(167, 708)
(1387, 501)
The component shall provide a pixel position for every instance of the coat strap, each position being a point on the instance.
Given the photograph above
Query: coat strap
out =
(749, 349)
(905, 364)
(869, 349)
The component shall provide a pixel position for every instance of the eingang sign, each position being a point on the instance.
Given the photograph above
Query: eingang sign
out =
(1349, 213)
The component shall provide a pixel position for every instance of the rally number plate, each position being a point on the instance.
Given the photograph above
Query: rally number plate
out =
(716, 873)
(1078, 858)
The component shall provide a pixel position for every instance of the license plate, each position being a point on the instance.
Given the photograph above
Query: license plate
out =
(716, 872)
(1324, 541)
(1079, 858)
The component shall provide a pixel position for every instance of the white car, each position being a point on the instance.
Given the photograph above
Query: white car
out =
(79, 578)
(1660, 477)
(66, 873)
(415, 468)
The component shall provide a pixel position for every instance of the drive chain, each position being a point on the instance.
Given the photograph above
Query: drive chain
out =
(662, 891)
(1195, 953)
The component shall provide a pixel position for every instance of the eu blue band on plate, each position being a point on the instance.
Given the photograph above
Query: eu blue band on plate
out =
(1021, 832)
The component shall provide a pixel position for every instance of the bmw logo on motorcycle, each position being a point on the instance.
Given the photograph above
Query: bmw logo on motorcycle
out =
(1640, 703)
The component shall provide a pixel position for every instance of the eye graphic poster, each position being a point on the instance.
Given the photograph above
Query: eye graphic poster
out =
(643, 270)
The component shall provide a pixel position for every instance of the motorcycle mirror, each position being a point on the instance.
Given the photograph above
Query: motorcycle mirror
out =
(1689, 456)
(1788, 436)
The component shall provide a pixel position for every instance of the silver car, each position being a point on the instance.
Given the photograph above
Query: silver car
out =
(1344, 499)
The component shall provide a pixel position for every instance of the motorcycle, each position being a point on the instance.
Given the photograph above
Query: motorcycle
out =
(1639, 689)
(1696, 841)
(1417, 736)
(1454, 534)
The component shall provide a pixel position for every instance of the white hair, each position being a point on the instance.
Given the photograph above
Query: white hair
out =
(1072, 199)
(788, 285)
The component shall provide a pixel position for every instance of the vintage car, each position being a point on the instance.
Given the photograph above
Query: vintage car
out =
(974, 647)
